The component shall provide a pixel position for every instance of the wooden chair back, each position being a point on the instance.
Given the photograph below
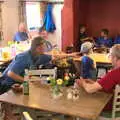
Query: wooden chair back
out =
(116, 102)
(42, 73)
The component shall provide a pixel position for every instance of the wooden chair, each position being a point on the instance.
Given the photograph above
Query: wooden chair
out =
(41, 115)
(43, 73)
(116, 102)
(102, 66)
(115, 113)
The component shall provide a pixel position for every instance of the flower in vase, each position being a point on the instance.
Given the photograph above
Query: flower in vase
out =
(66, 78)
(9, 43)
(59, 81)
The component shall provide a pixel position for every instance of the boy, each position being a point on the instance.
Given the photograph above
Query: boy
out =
(104, 39)
(87, 64)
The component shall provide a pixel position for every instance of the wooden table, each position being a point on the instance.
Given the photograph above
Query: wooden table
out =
(88, 106)
(97, 57)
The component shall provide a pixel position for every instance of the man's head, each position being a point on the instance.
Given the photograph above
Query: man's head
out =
(115, 55)
(43, 33)
(104, 32)
(38, 45)
(22, 27)
(82, 28)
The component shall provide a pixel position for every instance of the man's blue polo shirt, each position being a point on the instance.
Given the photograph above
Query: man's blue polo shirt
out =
(24, 61)
(20, 36)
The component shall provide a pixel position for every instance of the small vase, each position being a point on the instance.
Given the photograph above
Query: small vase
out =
(56, 92)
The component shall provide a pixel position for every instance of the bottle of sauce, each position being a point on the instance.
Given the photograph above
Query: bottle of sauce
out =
(26, 84)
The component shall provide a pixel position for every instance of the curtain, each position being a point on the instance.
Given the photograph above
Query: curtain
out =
(1, 31)
(22, 12)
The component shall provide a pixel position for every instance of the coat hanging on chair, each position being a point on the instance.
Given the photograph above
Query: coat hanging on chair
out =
(49, 24)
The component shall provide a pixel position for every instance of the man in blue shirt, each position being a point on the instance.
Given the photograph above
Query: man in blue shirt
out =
(104, 40)
(15, 71)
(21, 35)
(43, 33)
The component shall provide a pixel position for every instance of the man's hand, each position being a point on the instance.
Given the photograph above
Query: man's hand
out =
(90, 81)
(78, 83)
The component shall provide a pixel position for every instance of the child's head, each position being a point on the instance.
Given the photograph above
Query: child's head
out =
(43, 33)
(86, 48)
(82, 28)
(104, 32)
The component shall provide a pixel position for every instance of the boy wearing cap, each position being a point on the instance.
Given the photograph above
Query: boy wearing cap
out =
(87, 64)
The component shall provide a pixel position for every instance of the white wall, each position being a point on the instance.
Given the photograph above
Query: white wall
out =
(55, 38)
(10, 19)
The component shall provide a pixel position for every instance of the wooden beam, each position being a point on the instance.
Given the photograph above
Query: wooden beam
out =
(45, 1)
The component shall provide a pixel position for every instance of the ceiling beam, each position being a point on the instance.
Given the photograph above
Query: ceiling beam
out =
(45, 1)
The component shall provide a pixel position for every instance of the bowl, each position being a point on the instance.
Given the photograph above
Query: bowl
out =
(17, 88)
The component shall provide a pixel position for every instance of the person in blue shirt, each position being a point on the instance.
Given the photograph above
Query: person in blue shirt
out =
(43, 33)
(104, 40)
(117, 39)
(87, 64)
(22, 34)
(15, 71)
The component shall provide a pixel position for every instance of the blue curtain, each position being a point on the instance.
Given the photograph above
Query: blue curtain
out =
(49, 24)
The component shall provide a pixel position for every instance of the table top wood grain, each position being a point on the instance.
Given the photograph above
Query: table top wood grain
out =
(88, 106)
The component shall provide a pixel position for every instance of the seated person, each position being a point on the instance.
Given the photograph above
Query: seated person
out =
(104, 40)
(117, 39)
(108, 82)
(43, 33)
(87, 64)
(15, 71)
(83, 37)
(22, 34)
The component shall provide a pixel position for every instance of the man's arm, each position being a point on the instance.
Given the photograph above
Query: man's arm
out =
(15, 76)
(91, 88)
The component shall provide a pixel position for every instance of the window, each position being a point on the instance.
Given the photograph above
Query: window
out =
(33, 15)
